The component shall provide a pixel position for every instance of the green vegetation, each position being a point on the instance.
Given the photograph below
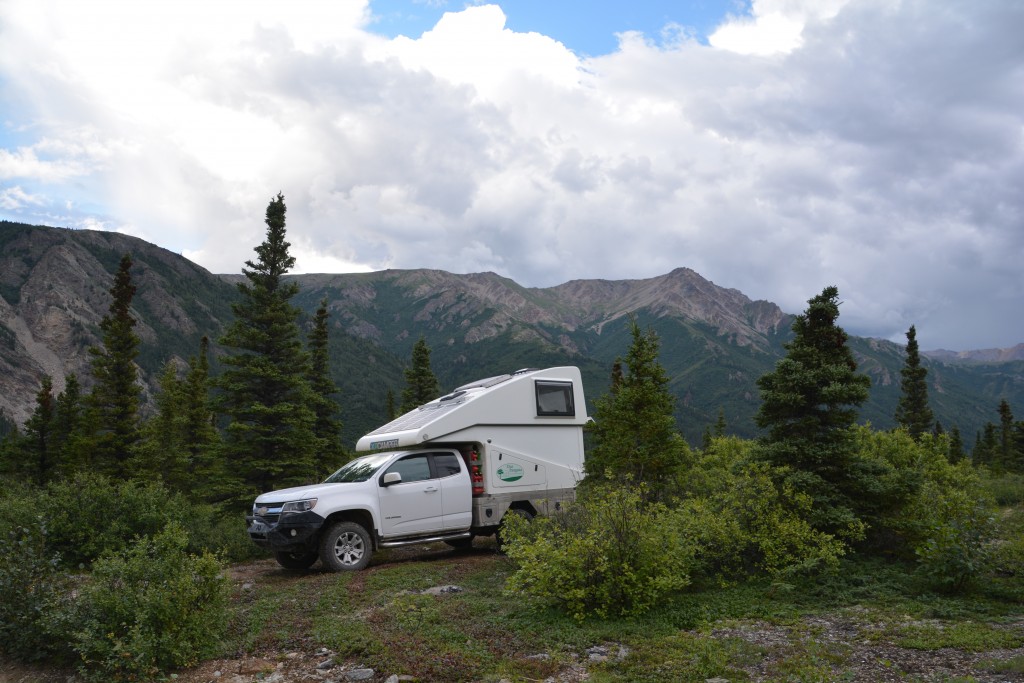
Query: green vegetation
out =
(114, 401)
(808, 406)
(420, 382)
(670, 559)
(634, 435)
(269, 441)
(913, 412)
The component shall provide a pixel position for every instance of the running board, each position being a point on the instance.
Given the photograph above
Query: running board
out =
(425, 539)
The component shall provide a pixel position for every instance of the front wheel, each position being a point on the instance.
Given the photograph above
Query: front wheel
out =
(295, 560)
(345, 546)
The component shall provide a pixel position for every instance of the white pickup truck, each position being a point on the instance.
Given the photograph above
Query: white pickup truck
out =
(447, 471)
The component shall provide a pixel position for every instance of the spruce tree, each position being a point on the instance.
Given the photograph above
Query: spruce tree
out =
(420, 382)
(956, 446)
(1005, 435)
(200, 437)
(114, 401)
(913, 412)
(265, 396)
(327, 428)
(390, 410)
(634, 430)
(37, 444)
(986, 447)
(809, 405)
(161, 453)
(67, 426)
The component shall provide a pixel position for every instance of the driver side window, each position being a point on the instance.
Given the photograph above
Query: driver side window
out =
(412, 468)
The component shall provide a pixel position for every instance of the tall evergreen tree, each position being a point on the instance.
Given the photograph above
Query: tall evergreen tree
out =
(200, 435)
(161, 453)
(114, 400)
(956, 446)
(720, 423)
(269, 439)
(67, 425)
(1006, 455)
(913, 412)
(809, 404)
(420, 382)
(390, 410)
(986, 446)
(39, 460)
(327, 427)
(634, 430)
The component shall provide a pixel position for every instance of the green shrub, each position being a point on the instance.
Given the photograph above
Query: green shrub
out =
(751, 525)
(610, 553)
(92, 514)
(1006, 488)
(213, 530)
(954, 529)
(1007, 551)
(147, 610)
(29, 587)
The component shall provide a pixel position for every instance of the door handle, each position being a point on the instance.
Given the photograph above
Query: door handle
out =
(430, 489)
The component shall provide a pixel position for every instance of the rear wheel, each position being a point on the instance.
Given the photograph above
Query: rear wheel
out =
(498, 535)
(345, 546)
(296, 560)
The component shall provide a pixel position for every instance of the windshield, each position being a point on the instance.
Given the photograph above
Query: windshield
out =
(359, 469)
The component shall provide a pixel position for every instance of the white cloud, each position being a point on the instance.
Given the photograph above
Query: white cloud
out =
(773, 26)
(13, 198)
(856, 153)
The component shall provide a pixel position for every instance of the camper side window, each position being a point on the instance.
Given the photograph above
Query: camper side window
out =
(555, 399)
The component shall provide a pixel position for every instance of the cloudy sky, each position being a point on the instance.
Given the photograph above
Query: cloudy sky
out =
(774, 146)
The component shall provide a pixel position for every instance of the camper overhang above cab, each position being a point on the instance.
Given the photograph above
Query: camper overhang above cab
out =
(534, 398)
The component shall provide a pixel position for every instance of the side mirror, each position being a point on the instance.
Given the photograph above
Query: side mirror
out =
(391, 478)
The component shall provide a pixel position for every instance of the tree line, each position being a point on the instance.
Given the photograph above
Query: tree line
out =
(654, 515)
(269, 420)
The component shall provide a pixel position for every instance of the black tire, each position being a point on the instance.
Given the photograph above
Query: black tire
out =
(460, 543)
(499, 541)
(296, 560)
(345, 547)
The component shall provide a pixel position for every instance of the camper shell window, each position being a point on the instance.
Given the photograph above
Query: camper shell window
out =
(554, 399)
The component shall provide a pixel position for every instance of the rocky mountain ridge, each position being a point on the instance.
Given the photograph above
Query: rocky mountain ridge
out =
(716, 342)
(978, 356)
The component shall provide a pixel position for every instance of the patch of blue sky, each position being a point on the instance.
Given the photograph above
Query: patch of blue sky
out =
(588, 27)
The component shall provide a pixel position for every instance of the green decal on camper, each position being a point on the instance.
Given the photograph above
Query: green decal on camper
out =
(510, 472)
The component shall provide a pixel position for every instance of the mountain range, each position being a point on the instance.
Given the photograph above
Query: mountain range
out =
(715, 342)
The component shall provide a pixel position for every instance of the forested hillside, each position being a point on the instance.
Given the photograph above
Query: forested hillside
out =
(716, 342)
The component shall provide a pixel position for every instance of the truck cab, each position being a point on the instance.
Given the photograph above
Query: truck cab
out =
(447, 471)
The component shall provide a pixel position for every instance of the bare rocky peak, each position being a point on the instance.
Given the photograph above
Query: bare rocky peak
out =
(978, 356)
(449, 300)
(55, 285)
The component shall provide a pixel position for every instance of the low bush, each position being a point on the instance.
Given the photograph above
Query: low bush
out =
(954, 529)
(1006, 488)
(91, 514)
(754, 527)
(147, 610)
(610, 553)
(29, 588)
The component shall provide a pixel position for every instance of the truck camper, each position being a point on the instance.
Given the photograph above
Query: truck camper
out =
(449, 470)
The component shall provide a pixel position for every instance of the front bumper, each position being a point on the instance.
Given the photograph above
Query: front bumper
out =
(293, 532)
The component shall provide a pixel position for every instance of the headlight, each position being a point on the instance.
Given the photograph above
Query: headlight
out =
(298, 506)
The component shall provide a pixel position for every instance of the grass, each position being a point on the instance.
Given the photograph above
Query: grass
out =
(381, 618)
